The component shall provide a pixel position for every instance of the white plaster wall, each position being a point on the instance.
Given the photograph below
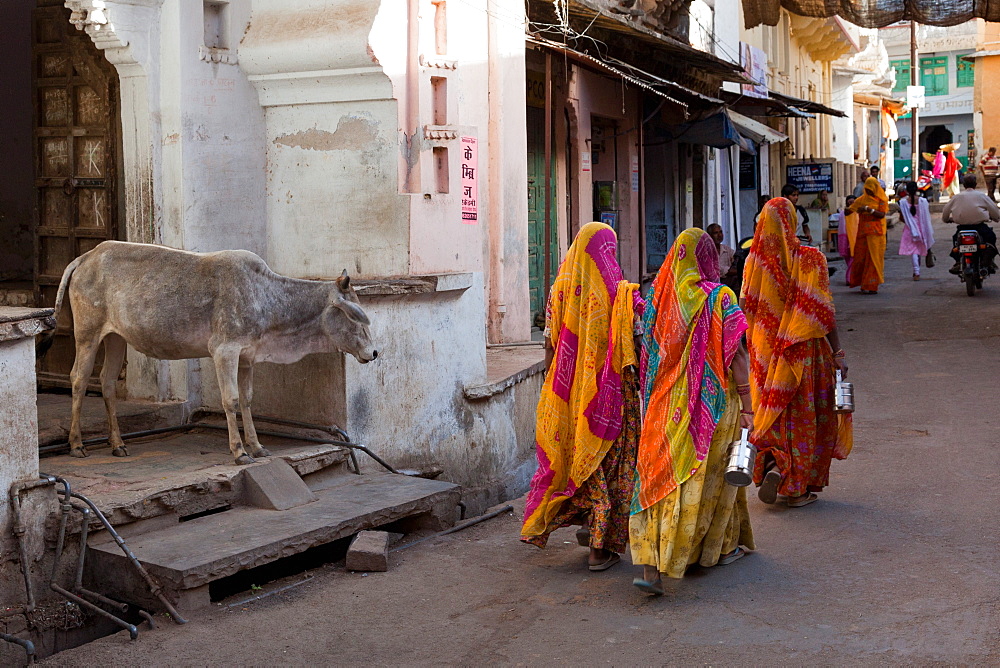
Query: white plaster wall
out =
(727, 30)
(842, 129)
(409, 405)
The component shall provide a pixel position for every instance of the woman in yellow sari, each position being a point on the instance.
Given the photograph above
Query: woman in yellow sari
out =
(697, 398)
(588, 414)
(868, 266)
(794, 353)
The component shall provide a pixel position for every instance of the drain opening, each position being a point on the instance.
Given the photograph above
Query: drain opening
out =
(245, 581)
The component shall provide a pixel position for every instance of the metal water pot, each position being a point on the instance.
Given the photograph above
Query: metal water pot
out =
(742, 454)
(843, 395)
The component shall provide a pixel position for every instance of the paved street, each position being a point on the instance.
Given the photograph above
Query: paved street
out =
(896, 564)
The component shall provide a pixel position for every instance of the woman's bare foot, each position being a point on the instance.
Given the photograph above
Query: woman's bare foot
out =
(601, 559)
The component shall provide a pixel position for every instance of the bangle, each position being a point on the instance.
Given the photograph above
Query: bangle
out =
(839, 353)
(746, 412)
(743, 389)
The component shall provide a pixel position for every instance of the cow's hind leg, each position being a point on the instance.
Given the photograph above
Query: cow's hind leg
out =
(83, 365)
(246, 399)
(114, 357)
(227, 362)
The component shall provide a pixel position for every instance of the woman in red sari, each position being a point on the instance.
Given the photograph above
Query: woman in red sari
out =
(794, 353)
(868, 266)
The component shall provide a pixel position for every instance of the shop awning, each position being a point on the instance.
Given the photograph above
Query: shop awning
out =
(806, 105)
(716, 131)
(761, 106)
(755, 130)
(874, 13)
(648, 85)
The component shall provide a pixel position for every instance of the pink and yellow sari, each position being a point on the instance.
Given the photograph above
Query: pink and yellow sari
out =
(682, 510)
(587, 418)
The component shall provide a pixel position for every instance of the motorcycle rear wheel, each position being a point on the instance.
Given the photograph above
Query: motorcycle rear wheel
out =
(970, 286)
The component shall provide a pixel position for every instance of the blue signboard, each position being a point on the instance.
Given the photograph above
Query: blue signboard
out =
(811, 177)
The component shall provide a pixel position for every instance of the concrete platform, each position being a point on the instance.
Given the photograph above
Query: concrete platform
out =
(186, 557)
(54, 416)
(181, 474)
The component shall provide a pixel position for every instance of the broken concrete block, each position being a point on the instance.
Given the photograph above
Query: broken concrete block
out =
(369, 552)
(276, 486)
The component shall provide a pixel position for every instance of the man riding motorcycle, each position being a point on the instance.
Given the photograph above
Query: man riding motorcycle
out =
(972, 210)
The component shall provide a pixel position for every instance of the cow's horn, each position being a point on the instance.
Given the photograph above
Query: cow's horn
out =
(344, 282)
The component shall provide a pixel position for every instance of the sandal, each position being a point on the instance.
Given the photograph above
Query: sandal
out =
(730, 557)
(916, 277)
(768, 492)
(804, 500)
(651, 588)
(611, 561)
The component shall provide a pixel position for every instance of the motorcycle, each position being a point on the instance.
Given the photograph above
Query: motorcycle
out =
(973, 259)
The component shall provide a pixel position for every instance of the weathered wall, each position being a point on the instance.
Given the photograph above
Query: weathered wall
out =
(17, 240)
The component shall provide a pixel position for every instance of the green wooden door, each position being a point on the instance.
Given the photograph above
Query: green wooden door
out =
(934, 76)
(536, 215)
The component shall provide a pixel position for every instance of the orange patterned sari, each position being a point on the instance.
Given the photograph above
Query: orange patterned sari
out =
(789, 311)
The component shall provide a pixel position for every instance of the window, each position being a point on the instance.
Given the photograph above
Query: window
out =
(965, 74)
(902, 75)
(934, 75)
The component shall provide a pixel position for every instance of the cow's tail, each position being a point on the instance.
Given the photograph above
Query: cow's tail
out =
(45, 340)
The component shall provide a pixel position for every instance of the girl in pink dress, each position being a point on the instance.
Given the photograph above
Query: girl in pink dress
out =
(918, 237)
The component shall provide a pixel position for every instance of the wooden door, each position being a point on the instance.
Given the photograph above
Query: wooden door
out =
(76, 150)
(536, 216)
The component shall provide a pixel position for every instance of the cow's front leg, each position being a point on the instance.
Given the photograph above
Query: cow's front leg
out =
(246, 398)
(227, 360)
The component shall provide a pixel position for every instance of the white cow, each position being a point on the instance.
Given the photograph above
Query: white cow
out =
(173, 304)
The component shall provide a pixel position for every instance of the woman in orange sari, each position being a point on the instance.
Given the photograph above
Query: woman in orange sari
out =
(868, 266)
(587, 427)
(794, 353)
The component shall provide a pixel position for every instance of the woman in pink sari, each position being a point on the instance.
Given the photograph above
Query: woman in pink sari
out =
(918, 237)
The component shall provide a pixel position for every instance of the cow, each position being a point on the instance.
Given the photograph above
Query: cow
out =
(174, 304)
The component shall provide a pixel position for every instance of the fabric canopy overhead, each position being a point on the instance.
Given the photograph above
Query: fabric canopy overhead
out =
(874, 13)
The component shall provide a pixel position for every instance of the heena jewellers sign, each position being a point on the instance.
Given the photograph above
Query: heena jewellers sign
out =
(933, 107)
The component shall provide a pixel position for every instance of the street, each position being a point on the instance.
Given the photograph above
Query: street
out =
(896, 563)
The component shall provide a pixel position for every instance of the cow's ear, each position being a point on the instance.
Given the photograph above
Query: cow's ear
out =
(353, 311)
(344, 282)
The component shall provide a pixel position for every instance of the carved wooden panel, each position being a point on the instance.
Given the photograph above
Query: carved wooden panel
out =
(76, 144)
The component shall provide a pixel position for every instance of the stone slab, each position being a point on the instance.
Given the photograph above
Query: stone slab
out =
(182, 474)
(369, 551)
(194, 553)
(275, 486)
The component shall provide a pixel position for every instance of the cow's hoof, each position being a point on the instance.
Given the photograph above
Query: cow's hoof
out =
(78, 452)
(262, 453)
(120, 451)
(244, 459)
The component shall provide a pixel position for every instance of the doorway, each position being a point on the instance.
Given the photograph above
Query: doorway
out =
(65, 137)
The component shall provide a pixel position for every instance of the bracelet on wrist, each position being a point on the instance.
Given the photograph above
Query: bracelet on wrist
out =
(746, 412)
(839, 354)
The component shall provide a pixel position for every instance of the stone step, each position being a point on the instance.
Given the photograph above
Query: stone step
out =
(178, 475)
(186, 557)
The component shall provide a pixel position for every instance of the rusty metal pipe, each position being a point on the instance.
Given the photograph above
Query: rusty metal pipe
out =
(83, 603)
(458, 527)
(148, 617)
(14, 495)
(29, 647)
(55, 447)
(100, 598)
(307, 439)
(84, 531)
(330, 429)
(153, 584)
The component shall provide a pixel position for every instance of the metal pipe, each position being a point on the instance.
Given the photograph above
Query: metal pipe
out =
(29, 647)
(330, 429)
(84, 531)
(148, 617)
(54, 447)
(153, 585)
(458, 527)
(15, 503)
(269, 593)
(914, 123)
(307, 439)
(82, 591)
(83, 603)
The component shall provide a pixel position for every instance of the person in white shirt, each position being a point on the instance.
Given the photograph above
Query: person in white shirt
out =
(726, 253)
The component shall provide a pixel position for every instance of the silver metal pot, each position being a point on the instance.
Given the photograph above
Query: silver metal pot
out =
(742, 454)
(843, 395)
